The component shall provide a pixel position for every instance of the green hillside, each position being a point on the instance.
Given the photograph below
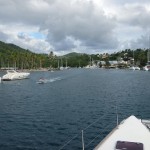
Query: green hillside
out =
(14, 56)
(73, 54)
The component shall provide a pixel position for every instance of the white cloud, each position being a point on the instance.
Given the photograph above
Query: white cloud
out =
(89, 26)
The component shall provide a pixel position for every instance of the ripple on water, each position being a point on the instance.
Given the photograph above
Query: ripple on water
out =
(34, 116)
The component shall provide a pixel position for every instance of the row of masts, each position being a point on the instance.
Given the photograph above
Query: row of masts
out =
(15, 65)
(148, 53)
(60, 64)
(20, 65)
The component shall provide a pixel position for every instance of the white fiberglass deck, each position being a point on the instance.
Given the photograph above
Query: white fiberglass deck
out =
(131, 130)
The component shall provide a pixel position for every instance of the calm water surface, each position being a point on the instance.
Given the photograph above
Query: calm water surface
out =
(45, 116)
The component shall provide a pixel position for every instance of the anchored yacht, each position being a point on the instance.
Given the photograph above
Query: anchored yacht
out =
(147, 67)
(15, 75)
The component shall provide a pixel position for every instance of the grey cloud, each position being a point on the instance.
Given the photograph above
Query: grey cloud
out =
(141, 42)
(3, 36)
(25, 12)
(82, 21)
(79, 19)
(69, 21)
(124, 2)
(64, 44)
(135, 15)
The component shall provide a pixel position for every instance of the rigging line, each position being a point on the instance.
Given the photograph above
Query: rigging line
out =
(96, 136)
(78, 134)
(69, 141)
(84, 130)
(94, 122)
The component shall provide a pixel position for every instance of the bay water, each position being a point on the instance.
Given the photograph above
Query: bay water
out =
(51, 116)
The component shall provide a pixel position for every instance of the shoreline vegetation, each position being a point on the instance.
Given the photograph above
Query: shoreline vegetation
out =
(12, 56)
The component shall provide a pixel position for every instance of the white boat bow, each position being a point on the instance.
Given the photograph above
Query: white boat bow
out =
(131, 134)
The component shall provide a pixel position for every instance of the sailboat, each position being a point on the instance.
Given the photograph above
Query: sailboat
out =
(134, 67)
(147, 67)
(66, 65)
(92, 64)
(61, 67)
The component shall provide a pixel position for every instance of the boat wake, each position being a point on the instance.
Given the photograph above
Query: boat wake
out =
(54, 79)
(42, 81)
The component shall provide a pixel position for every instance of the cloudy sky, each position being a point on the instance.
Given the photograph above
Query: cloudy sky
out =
(85, 26)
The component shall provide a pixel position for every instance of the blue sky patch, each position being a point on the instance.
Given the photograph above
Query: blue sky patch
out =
(35, 35)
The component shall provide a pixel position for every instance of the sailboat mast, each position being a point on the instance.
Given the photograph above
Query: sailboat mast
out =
(133, 57)
(58, 63)
(148, 53)
(90, 60)
(66, 63)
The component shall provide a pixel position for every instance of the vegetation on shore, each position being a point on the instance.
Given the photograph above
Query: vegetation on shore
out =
(16, 57)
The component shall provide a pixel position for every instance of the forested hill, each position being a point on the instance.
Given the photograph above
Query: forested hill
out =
(6, 47)
(14, 56)
(73, 54)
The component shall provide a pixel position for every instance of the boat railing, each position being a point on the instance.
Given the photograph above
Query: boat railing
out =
(146, 123)
(99, 134)
(81, 134)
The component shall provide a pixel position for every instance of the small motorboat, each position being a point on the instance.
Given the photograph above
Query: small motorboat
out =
(41, 81)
